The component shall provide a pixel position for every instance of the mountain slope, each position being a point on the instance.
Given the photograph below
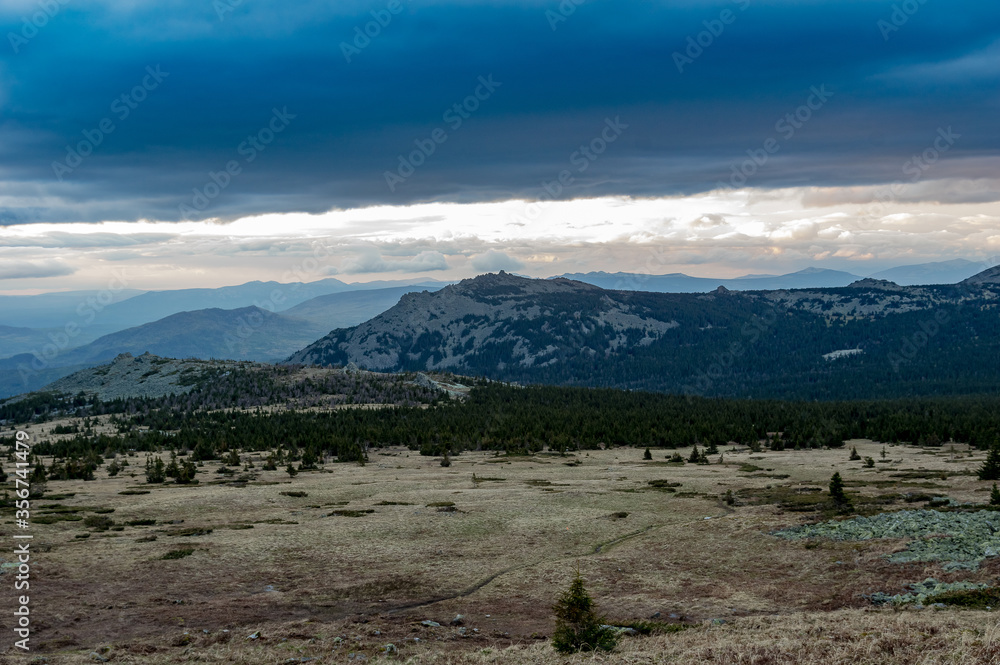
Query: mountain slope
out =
(272, 296)
(872, 338)
(492, 315)
(341, 310)
(248, 333)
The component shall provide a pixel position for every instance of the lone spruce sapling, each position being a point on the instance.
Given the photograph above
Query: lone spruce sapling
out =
(837, 493)
(995, 496)
(647, 455)
(578, 626)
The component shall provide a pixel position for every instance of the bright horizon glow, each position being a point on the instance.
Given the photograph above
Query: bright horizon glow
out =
(722, 234)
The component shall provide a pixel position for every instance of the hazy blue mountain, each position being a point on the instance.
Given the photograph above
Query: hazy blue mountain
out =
(247, 333)
(939, 272)
(16, 340)
(94, 314)
(680, 283)
(342, 310)
(55, 310)
(272, 296)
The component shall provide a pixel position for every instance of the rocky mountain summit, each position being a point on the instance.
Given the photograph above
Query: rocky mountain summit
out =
(906, 339)
(521, 321)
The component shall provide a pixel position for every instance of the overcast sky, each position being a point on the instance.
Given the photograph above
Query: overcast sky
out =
(211, 142)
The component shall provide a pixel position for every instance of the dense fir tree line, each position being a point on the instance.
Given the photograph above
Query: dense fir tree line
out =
(524, 420)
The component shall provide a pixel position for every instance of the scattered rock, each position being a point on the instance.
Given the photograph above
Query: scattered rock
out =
(254, 636)
(655, 615)
(621, 630)
(98, 657)
(921, 592)
(429, 623)
(458, 620)
(963, 539)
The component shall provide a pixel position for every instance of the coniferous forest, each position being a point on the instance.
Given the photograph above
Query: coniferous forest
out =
(511, 419)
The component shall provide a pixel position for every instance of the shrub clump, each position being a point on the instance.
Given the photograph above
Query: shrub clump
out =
(98, 522)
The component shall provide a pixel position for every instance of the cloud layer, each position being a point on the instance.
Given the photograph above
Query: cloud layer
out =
(126, 111)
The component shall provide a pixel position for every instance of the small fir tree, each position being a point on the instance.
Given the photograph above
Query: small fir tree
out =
(38, 474)
(854, 455)
(648, 455)
(578, 626)
(695, 455)
(837, 490)
(990, 470)
(995, 496)
(291, 470)
(155, 471)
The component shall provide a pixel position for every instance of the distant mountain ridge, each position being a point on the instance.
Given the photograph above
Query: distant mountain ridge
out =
(869, 337)
(941, 272)
(681, 283)
(247, 333)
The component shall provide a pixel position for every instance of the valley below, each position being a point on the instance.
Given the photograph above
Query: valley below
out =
(402, 559)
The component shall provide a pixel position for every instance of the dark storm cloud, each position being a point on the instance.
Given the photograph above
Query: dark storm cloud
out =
(178, 101)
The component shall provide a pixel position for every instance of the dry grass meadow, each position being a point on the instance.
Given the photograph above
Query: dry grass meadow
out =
(363, 557)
